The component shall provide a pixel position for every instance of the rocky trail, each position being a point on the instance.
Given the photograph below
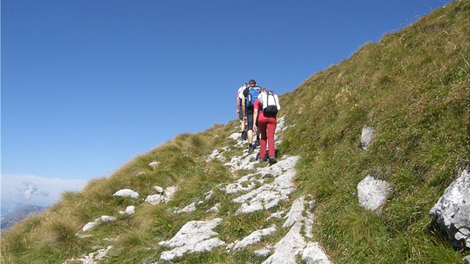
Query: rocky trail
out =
(264, 189)
(270, 188)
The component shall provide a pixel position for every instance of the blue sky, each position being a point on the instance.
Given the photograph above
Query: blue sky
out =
(88, 85)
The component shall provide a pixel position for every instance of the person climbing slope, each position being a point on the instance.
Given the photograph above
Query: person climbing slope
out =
(250, 95)
(239, 104)
(265, 111)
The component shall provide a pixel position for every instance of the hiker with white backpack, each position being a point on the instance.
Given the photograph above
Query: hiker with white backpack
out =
(250, 95)
(265, 111)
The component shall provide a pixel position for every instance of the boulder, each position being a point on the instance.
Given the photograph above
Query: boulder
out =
(453, 211)
(372, 193)
(127, 193)
(366, 137)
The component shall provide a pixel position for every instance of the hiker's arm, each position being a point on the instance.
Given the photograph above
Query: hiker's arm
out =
(237, 104)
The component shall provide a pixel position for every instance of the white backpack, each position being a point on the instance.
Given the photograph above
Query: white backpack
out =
(270, 102)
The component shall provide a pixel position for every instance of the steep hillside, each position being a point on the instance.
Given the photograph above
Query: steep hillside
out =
(412, 87)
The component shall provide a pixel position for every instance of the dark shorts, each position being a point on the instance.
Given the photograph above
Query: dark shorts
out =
(249, 117)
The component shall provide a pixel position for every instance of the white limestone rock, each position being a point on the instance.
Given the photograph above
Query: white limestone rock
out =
(158, 189)
(372, 193)
(309, 225)
(231, 245)
(140, 173)
(91, 225)
(269, 195)
(295, 213)
(235, 136)
(241, 185)
(169, 192)
(217, 154)
(194, 236)
(238, 137)
(245, 162)
(255, 237)
(288, 248)
(366, 137)
(130, 210)
(453, 211)
(188, 209)
(127, 193)
(107, 218)
(312, 204)
(154, 164)
(314, 254)
(276, 215)
(155, 199)
(214, 209)
(208, 195)
(92, 258)
(262, 253)
(281, 124)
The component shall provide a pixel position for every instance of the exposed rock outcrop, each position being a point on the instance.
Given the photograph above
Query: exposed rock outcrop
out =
(194, 236)
(453, 211)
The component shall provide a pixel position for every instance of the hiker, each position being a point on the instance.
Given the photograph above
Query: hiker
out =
(265, 111)
(250, 94)
(239, 105)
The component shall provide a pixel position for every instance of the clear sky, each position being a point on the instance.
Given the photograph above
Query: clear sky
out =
(88, 85)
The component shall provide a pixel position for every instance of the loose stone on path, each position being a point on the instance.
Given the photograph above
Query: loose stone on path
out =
(194, 236)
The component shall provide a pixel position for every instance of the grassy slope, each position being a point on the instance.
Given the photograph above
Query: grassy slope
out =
(412, 86)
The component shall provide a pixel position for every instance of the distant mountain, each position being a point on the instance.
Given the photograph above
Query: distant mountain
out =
(19, 214)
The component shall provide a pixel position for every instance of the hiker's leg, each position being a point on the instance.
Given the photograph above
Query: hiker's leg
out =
(240, 116)
(262, 144)
(271, 127)
(250, 136)
(249, 116)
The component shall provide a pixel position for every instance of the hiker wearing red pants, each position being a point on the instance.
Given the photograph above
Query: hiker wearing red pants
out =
(265, 122)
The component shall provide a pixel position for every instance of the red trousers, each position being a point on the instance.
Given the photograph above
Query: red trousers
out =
(267, 127)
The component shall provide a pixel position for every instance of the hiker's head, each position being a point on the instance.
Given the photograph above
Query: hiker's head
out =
(252, 82)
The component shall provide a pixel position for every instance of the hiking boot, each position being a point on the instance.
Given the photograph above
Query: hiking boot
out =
(263, 160)
(251, 148)
(257, 143)
(272, 160)
(244, 135)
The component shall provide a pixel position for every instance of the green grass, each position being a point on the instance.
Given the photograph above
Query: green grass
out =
(412, 87)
